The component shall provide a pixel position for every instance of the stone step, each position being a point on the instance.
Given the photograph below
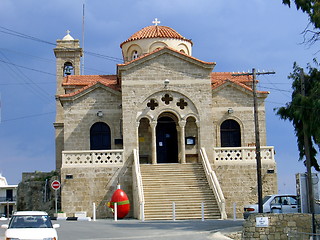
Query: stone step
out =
(184, 184)
(186, 195)
(182, 213)
(168, 207)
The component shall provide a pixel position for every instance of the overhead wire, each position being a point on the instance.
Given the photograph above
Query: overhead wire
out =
(114, 59)
(21, 76)
(32, 69)
(24, 117)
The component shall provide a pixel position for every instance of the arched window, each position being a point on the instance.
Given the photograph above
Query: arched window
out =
(230, 134)
(100, 137)
(135, 55)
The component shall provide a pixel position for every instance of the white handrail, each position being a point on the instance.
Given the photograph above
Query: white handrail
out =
(137, 179)
(214, 183)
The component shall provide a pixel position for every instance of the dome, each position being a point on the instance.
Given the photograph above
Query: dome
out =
(156, 31)
(154, 37)
(68, 37)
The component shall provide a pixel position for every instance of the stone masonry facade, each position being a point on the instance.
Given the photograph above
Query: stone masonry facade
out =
(164, 83)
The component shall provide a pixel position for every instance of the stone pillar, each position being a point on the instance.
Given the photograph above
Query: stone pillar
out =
(153, 126)
(198, 139)
(137, 136)
(182, 144)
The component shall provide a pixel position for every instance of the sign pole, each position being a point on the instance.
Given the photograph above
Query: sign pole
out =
(55, 185)
(56, 199)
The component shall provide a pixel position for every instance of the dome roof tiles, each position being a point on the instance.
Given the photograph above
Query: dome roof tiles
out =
(156, 31)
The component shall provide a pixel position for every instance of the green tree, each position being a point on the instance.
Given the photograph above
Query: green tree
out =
(305, 109)
(312, 8)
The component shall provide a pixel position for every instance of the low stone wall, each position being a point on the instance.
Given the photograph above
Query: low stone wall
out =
(81, 187)
(280, 226)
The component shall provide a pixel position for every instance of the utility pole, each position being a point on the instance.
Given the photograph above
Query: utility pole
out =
(308, 160)
(257, 131)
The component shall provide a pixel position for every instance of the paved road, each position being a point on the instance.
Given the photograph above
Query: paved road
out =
(133, 229)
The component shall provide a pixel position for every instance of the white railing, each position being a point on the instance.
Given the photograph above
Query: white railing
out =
(138, 187)
(214, 183)
(234, 155)
(92, 158)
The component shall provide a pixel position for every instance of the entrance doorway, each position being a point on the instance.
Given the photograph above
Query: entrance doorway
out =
(167, 141)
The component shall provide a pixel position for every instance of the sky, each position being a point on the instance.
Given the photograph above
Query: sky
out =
(237, 35)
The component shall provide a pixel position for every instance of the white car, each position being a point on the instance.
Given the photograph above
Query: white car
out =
(35, 225)
(277, 203)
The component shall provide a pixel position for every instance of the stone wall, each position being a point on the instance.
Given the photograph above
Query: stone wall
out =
(239, 184)
(242, 104)
(35, 192)
(281, 226)
(80, 114)
(81, 187)
(189, 80)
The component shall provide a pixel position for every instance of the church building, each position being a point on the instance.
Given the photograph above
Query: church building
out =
(176, 135)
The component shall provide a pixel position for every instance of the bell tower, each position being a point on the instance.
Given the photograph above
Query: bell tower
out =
(68, 56)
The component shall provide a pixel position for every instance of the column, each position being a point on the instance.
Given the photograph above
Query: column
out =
(137, 136)
(198, 139)
(182, 125)
(153, 126)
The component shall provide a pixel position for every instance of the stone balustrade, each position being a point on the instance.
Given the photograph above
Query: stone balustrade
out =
(234, 155)
(92, 158)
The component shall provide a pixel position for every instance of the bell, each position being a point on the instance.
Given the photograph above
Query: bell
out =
(67, 70)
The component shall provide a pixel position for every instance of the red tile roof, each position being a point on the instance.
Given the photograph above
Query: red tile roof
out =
(220, 78)
(83, 80)
(86, 81)
(156, 31)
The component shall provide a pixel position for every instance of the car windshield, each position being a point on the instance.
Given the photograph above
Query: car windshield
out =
(34, 221)
(266, 198)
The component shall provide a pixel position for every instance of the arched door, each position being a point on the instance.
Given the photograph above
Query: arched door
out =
(167, 141)
(100, 138)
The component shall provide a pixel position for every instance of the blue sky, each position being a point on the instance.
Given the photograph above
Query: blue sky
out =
(237, 35)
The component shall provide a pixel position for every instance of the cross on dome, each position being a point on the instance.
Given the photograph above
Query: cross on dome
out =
(68, 36)
(156, 21)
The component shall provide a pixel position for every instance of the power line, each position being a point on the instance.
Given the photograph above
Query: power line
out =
(32, 69)
(282, 92)
(16, 83)
(28, 116)
(276, 89)
(33, 86)
(27, 54)
(22, 35)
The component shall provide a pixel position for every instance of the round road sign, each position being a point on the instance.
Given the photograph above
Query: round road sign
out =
(55, 184)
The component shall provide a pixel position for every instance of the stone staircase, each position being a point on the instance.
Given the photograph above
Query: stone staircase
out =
(184, 184)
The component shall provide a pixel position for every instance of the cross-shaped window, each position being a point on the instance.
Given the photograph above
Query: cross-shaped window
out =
(152, 104)
(182, 103)
(167, 99)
